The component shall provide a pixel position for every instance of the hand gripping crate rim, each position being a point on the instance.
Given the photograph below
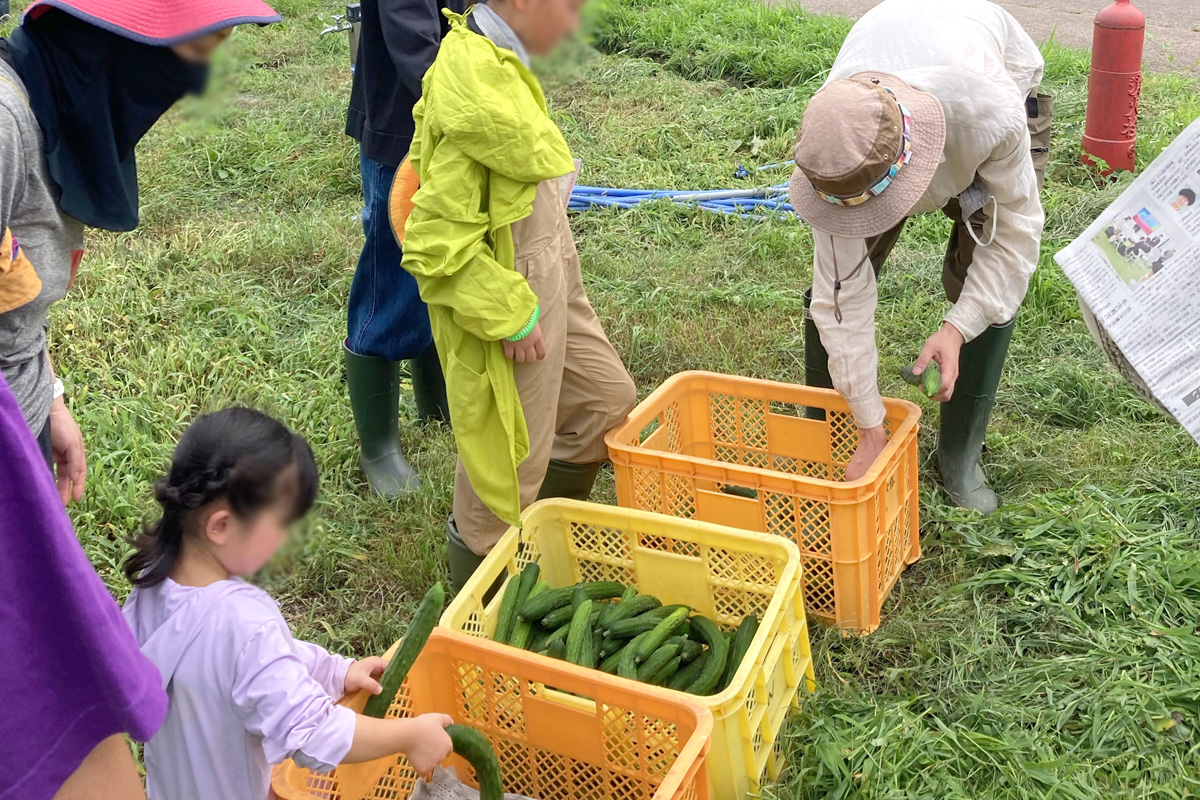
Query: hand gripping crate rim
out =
(565, 684)
(784, 619)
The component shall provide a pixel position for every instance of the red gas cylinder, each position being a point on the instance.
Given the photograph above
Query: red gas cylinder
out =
(1115, 86)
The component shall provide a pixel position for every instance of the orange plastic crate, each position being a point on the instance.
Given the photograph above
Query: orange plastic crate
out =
(742, 452)
(561, 732)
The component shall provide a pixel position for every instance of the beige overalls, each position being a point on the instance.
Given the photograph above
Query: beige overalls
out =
(572, 397)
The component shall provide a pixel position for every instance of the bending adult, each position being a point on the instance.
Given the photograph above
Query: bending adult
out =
(81, 81)
(930, 105)
(387, 322)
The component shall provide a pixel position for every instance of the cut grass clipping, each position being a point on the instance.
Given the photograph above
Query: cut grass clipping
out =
(1045, 652)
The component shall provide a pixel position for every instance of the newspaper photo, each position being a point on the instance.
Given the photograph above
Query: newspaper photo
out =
(1137, 268)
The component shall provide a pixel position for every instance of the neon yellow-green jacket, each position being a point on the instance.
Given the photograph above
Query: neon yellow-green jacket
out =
(484, 141)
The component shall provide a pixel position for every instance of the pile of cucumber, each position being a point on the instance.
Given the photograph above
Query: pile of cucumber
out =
(607, 626)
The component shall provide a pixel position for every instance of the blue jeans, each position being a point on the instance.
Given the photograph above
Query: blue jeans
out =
(386, 317)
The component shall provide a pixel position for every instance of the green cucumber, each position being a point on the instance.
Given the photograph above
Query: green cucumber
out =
(506, 620)
(661, 677)
(929, 381)
(541, 640)
(559, 635)
(628, 628)
(687, 676)
(629, 593)
(690, 651)
(627, 609)
(660, 633)
(558, 617)
(472, 746)
(425, 617)
(523, 630)
(657, 660)
(610, 663)
(578, 596)
(627, 666)
(538, 607)
(579, 638)
(557, 649)
(741, 644)
(718, 652)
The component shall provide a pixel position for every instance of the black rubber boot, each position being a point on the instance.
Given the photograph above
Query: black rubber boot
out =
(374, 385)
(463, 562)
(572, 481)
(965, 419)
(816, 360)
(429, 386)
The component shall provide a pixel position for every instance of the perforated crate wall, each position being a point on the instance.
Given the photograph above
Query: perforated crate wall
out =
(772, 457)
(560, 732)
(723, 573)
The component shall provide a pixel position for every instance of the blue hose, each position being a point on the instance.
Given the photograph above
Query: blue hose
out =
(751, 203)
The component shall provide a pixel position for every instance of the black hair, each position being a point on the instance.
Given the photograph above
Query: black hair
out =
(1189, 195)
(237, 455)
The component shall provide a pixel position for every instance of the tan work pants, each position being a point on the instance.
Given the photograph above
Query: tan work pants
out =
(961, 249)
(574, 396)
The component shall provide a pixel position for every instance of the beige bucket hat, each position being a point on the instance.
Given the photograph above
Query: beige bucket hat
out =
(867, 151)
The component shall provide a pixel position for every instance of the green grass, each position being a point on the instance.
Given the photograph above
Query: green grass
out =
(1046, 651)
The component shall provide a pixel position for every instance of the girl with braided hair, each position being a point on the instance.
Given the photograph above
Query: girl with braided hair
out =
(243, 694)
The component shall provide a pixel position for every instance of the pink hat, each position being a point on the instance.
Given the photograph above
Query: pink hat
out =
(161, 22)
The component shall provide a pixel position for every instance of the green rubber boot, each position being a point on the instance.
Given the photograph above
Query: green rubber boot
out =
(572, 481)
(429, 386)
(816, 360)
(374, 385)
(965, 419)
(463, 562)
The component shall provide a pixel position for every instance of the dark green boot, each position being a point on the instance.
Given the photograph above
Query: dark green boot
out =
(429, 386)
(374, 385)
(816, 360)
(965, 419)
(463, 562)
(572, 481)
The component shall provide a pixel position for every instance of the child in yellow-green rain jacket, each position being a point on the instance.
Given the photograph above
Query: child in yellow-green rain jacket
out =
(533, 382)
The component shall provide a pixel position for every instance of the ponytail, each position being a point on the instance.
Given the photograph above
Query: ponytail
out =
(238, 455)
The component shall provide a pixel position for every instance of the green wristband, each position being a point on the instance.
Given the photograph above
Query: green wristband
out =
(528, 329)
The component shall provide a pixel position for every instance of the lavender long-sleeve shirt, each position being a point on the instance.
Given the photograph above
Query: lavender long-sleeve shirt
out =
(243, 693)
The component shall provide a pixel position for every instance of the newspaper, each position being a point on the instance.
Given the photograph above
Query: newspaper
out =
(1137, 268)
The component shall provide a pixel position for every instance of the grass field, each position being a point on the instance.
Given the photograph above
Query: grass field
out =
(1047, 651)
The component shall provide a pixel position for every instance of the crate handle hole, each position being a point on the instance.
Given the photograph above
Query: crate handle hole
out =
(739, 491)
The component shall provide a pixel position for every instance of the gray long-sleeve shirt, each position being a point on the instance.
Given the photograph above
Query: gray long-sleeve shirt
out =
(49, 240)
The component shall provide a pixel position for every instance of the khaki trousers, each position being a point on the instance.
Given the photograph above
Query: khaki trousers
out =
(960, 251)
(574, 396)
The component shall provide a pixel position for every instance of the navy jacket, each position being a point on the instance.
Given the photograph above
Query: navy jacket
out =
(397, 43)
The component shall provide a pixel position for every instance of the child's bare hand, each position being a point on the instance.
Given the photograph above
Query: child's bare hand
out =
(429, 742)
(526, 351)
(363, 674)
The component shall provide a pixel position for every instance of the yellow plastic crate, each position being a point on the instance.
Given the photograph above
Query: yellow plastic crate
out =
(722, 573)
(743, 452)
(624, 741)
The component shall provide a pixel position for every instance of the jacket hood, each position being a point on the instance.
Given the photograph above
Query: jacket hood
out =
(167, 618)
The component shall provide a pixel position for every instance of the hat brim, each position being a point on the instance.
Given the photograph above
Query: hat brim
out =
(880, 214)
(161, 22)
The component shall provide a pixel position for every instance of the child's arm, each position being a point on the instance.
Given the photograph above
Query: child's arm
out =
(423, 740)
(327, 669)
(278, 699)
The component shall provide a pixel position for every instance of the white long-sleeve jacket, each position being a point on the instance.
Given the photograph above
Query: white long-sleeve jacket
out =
(979, 63)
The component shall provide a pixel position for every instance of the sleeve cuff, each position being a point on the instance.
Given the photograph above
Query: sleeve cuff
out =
(330, 743)
(968, 318)
(341, 666)
(868, 411)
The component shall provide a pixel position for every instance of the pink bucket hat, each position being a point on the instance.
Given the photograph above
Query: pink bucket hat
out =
(161, 22)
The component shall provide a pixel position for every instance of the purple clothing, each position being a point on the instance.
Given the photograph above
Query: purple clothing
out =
(72, 671)
(244, 694)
